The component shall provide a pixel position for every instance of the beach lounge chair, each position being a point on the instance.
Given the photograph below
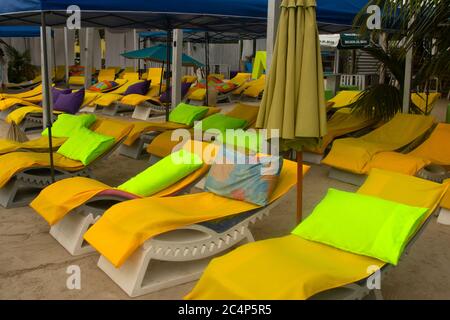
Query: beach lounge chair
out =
(144, 132)
(444, 213)
(435, 150)
(425, 102)
(255, 89)
(292, 267)
(73, 205)
(197, 94)
(163, 145)
(176, 236)
(144, 106)
(24, 174)
(349, 157)
(39, 144)
(30, 117)
(344, 98)
(24, 86)
(342, 123)
(106, 74)
(108, 101)
(22, 95)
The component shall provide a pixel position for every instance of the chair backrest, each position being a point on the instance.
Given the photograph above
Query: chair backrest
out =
(106, 74)
(131, 76)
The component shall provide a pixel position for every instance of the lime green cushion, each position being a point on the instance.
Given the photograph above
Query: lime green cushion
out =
(187, 114)
(67, 124)
(221, 122)
(362, 224)
(86, 146)
(163, 174)
(248, 140)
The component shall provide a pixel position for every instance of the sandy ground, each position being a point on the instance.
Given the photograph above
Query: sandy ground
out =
(33, 265)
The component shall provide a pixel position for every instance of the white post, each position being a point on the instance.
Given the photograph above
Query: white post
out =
(336, 62)
(66, 55)
(407, 87)
(273, 16)
(89, 43)
(177, 51)
(383, 43)
(46, 74)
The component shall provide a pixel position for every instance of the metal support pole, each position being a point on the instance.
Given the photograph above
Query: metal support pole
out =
(46, 85)
(66, 56)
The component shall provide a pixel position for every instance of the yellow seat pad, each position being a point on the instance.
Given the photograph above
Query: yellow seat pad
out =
(353, 154)
(163, 144)
(143, 127)
(39, 144)
(126, 226)
(61, 197)
(344, 98)
(295, 268)
(136, 99)
(5, 104)
(255, 89)
(105, 100)
(22, 95)
(15, 162)
(420, 100)
(445, 203)
(436, 150)
(19, 114)
(341, 123)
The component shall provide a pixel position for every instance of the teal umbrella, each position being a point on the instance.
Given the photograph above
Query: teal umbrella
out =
(158, 53)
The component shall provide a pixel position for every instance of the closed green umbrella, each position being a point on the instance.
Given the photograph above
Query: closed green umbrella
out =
(293, 100)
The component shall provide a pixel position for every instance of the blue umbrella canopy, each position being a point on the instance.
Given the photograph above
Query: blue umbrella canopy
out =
(158, 53)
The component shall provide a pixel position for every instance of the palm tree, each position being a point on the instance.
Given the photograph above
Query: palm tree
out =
(420, 25)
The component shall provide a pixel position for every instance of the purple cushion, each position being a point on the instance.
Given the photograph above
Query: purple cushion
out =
(55, 94)
(69, 103)
(138, 88)
(166, 96)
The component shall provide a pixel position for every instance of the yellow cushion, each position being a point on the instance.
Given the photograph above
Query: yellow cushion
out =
(107, 99)
(353, 154)
(76, 80)
(134, 99)
(344, 98)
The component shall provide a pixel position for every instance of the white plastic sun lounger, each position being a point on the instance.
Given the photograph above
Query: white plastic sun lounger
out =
(180, 256)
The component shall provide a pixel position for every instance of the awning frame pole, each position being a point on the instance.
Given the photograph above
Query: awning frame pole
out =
(47, 95)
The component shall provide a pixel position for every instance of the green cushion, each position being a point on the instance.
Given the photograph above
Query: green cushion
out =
(362, 224)
(163, 174)
(221, 122)
(187, 114)
(448, 114)
(248, 140)
(67, 124)
(86, 146)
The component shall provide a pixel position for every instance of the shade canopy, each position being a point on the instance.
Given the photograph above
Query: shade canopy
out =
(19, 32)
(158, 53)
(198, 36)
(249, 16)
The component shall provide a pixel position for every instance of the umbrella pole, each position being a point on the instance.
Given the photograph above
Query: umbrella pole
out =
(299, 155)
(47, 95)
